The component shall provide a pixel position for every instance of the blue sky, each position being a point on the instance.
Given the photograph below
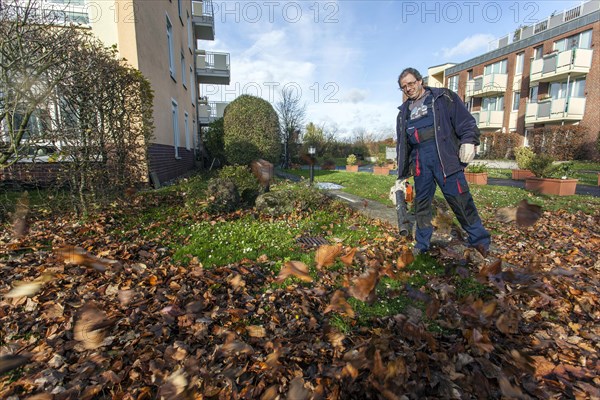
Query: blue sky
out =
(344, 56)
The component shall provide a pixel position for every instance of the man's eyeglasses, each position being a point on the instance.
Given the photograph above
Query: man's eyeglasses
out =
(409, 85)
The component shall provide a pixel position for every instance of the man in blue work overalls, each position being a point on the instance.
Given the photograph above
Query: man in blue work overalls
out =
(436, 139)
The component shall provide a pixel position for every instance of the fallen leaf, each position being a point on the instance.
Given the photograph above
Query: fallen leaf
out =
(256, 331)
(339, 304)
(406, 258)
(363, 287)
(326, 254)
(25, 289)
(12, 361)
(89, 327)
(348, 258)
(294, 268)
(297, 390)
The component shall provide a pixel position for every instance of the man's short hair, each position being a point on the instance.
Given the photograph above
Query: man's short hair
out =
(411, 71)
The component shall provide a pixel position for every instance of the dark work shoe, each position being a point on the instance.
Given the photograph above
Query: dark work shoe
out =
(416, 251)
(482, 250)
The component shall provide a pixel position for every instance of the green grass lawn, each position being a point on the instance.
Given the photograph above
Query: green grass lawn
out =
(376, 187)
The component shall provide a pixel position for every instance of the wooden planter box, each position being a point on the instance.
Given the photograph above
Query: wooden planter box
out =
(558, 187)
(381, 170)
(477, 178)
(521, 174)
(352, 168)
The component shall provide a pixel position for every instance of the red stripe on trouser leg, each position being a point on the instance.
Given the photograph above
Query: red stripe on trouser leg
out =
(459, 188)
(418, 171)
(417, 136)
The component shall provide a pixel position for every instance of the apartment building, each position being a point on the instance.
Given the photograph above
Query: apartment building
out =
(163, 39)
(539, 75)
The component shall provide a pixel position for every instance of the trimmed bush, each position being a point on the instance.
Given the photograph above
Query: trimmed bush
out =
(523, 155)
(214, 140)
(251, 131)
(499, 145)
(542, 166)
(563, 142)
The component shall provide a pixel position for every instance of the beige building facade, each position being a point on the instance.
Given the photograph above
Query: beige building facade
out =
(163, 39)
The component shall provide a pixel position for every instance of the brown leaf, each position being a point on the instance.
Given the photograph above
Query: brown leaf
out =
(510, 391)
(89, 327)
(24, 289)
(297, 390)
(236, 346)
(363, 287)
(524, 214)
(339, 304)
(348, 258)
(480, 341)
(326, 254)
(508, 324)
(256, 331)
(350, 370)
(270, 393)
(294, 268)
(406, 258)
(78, 256)
(12, 361)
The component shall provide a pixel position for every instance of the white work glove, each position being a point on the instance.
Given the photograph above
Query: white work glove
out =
(466, 153)
(399, 185)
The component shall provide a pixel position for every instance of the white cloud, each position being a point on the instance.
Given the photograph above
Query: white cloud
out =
(355, 96)
(472, 44)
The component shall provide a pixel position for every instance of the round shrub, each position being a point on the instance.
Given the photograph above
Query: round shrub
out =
(246, 183)
(213, 140)
(523, 155)
(251, 131)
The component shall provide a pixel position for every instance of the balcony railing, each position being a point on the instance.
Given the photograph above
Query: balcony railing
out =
(550, 110)
(203, 19)
(488, 119)
(209, 111)
(487, 85)
(557, 66)
(212, 67)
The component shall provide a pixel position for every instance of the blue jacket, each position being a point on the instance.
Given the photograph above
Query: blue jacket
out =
(454, 125)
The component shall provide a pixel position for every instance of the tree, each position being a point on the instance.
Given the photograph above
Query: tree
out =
(291, 117)
(251, 129)
(34, 59)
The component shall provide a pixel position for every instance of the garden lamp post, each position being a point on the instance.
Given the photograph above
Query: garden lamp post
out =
(312, 151)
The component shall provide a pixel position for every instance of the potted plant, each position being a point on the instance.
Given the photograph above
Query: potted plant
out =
(551, 178)
(523, 156)
(381, 167)
(477, 174)
(351, 163)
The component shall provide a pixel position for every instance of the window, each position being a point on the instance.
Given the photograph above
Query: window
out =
(453, 83)
(179, 9)
(170, 46)
(493, 103)
(189, 32)
(581, 40)
(186, 124)
(469, 74)
(538, 52)
(519, 63)
(175, 125)
(575, 88)
(533, 94)
(183, 70)
(516, 101)
(495, 68)
(192, 87)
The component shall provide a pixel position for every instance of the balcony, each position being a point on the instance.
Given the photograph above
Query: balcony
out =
(489, 119)
(209, 111)
(555, 110)
(212, 68)
(556, 66)
(203, 20)
(487, 85)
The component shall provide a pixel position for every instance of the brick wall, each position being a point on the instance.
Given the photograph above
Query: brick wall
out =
(164, 163)
(38, 173)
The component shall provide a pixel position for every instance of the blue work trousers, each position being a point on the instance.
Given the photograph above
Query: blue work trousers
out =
(428, 173)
